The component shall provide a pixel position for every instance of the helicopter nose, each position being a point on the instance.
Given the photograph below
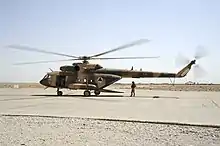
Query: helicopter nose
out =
(44, 82)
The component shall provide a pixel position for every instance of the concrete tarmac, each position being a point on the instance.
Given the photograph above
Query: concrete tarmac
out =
(201, 108)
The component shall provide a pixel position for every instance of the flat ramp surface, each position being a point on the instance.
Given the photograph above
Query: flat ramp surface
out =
(171, 106)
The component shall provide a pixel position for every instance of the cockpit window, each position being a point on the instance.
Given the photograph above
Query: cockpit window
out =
(47, 76)
(98, 66)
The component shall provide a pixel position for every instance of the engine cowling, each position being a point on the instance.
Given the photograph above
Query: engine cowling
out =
(70, 68)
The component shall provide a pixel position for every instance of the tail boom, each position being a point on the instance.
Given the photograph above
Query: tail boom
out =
(183, 72)
(146, 74)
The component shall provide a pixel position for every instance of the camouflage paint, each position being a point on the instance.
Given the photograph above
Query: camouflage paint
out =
(93, 76)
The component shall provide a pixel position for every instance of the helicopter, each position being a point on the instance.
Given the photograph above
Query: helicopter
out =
(94, 77)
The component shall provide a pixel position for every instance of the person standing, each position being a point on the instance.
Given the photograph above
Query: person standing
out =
(133, 86)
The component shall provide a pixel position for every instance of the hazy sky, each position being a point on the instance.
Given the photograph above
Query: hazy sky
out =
(88, 27)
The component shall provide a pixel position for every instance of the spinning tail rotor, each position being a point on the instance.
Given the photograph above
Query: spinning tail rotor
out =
(200, 53)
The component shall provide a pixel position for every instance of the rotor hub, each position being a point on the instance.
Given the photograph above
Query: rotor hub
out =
(193, 62)
(85, 57)
(85, 61)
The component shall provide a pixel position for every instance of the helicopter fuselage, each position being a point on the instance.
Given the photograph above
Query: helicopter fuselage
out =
(95, 77)
(79, 76)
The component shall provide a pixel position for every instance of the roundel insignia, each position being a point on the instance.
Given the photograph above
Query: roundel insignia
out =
(100, 79)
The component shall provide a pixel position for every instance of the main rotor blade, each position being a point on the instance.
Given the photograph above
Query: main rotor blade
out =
(106, 58)
(37, 62)
(141, 41)
(38, 50)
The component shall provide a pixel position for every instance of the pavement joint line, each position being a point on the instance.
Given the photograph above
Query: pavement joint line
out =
(215, 103)
(116, 120)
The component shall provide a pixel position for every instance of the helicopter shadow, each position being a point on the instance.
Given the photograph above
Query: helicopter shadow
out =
(67, 95)
(108, 96)
(21, 98)
(97, 98)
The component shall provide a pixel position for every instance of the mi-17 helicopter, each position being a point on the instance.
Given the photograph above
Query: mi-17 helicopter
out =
(93, 77)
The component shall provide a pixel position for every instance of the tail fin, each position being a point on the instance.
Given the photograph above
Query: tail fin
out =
(183, 72)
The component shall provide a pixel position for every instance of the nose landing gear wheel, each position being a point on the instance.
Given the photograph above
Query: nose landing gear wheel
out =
(87, 93)
(59, 93)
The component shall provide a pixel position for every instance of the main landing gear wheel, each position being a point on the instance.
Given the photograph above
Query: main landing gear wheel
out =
(59, 93)
(87, 93)
(97, 92)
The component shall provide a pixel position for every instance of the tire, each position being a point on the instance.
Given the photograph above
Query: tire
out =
(59, 93)
(87, 93)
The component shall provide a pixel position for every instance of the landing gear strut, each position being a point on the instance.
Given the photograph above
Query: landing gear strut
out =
(97, 92)
(59, 93)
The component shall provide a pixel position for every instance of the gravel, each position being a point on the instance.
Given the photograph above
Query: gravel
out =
(27, 130)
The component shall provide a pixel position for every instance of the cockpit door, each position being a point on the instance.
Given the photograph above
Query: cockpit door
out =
(60, 81)
(53, 80)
